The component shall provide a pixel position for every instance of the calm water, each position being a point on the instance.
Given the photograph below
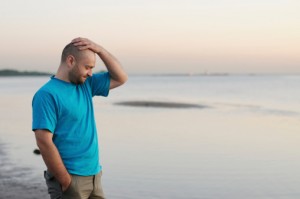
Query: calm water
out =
(245, 145)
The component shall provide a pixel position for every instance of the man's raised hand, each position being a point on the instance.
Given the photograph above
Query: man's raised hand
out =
(84, 43)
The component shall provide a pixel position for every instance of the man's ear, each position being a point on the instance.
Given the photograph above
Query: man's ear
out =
(71, 61)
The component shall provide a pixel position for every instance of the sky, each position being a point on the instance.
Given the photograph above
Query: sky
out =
(157, 36)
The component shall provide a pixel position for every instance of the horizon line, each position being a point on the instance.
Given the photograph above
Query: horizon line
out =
(169, 73)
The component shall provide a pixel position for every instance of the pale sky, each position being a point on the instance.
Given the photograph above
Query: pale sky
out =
(157, 36)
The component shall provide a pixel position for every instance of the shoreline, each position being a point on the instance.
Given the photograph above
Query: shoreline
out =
(17, 181)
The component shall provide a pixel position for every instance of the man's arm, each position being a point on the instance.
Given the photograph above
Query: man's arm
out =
(117, 74)
(52, 158)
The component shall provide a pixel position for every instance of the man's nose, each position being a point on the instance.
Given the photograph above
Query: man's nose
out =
(90, 73)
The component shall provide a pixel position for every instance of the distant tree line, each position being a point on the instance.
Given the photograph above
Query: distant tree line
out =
(10, 72)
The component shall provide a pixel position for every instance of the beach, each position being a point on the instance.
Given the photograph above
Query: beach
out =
(17, 181)
(172, 137)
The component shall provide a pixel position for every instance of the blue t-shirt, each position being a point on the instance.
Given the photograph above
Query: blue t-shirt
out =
(66, 110)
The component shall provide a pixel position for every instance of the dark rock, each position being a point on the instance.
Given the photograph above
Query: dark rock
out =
(36, 151)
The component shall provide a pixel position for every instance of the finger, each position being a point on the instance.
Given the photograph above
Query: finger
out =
(77, 43)
(84, 47)
(78, 39)
(81, 43)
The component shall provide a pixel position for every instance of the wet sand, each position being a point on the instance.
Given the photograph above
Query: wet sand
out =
(18, 182)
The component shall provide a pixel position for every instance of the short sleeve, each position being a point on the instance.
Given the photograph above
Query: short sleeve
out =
(44, 112)
(100, 84)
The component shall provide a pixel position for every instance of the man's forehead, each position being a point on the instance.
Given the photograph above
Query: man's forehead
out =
(88, 57)
(87, 52)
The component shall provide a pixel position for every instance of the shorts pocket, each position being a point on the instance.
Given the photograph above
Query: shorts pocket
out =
(71, 185)
(72, 191)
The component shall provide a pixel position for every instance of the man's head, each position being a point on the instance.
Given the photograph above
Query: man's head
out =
(78, 64)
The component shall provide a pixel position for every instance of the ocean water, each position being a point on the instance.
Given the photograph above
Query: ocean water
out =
(244, 143)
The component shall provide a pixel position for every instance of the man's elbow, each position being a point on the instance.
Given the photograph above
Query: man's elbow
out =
(124, 79)
(118, 82)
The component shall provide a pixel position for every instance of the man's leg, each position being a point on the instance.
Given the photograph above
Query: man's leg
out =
(82, 187)
(97, 192)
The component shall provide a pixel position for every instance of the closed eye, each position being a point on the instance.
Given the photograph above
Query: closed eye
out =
(89, 66)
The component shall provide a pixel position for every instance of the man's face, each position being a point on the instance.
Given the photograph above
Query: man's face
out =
(82, 68)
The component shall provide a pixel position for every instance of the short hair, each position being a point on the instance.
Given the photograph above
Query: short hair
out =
(70, 49)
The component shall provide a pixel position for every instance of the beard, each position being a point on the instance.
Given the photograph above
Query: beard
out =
(75, 76)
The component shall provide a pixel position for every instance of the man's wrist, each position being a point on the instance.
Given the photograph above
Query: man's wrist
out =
(100, 50)
(66, 182)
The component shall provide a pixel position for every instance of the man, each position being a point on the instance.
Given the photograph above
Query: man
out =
(63, 120)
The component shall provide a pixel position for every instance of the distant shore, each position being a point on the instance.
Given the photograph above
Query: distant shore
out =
(10, 72)
(14, 72)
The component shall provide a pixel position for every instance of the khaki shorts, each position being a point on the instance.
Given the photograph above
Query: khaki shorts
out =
(81, 187)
